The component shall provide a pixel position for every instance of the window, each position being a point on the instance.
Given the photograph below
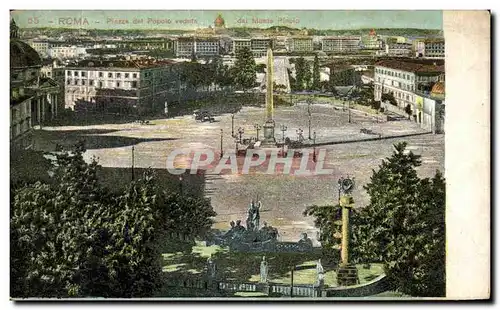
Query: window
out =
(127, 75)
(134, 84)
(84, 74)
(68, 82)
(117, 84)
(83, 82)
(100, 84)
(100, 74)
(76, 73)
(118, 75)
(91, 82)
(134, 75)
(75, 82)
(110, 75)
(69, 73)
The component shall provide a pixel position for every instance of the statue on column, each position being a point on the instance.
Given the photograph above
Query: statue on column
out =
(263, 270)
(253, 219)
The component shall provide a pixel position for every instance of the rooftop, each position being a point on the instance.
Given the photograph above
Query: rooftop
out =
(417, 66)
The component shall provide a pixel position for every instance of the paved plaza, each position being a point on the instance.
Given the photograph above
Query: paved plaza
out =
(284, 197)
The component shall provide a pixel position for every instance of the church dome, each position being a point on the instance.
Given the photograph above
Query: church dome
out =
(438, 89)
(219, 21)
(22, 55)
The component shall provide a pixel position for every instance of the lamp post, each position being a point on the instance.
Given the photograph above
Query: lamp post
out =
(314, 146)
(240, 132)
(283, 129)
(257, 127)
(232, 124)
(309, 117)
(299, 134)
(221, 150)
(349, 111)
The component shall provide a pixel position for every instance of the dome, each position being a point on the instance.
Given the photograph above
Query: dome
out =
(22, 55)
(219, 21)
(438, 89)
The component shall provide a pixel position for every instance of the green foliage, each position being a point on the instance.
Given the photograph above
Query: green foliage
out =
(73, 238)
(326, 219)
(408, 110)
(302, 74)
(389, 97)
(403, 226)
(316, 76)
(245, 69)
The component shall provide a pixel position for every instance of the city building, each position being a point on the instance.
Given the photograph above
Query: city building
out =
(371, 41)
(418, 47)
(396, 49)
(403, 78)
(33, 98)
(430, 109)
(259, 46)
(142, 44)
(239, 44)
(41, 47)
(67, 52)
(186, 47)
(300, 44)
(434, 48)
(125, 86)
(340, 44)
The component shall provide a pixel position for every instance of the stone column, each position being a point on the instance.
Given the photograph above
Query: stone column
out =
(347, 274)
(38, 112)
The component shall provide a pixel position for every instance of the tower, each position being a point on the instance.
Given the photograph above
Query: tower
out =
(269, 125)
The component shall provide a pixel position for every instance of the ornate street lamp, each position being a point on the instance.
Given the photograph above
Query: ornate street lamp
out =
(257, 128)
(241, 131)
(232, 125)
(283, 129)
(221, 150)
(309, 117)
(314, 146)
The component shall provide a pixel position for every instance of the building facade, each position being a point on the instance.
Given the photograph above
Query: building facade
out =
(435, 49)
(402, 79)
(340, 44)
(301, 44)
(119, 86)
(398, 49)
(186, 47)
(33, 97)
(41, 47)
(239, 44)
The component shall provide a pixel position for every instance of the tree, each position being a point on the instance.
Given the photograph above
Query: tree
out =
(74, 238)
(325, 220)
(245, 68)
(316, 76)
(307, 75)
(403, 226)
(408, 110)
(331, 81)
(389, 97)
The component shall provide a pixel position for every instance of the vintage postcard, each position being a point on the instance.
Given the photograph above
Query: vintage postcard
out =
(231, 154)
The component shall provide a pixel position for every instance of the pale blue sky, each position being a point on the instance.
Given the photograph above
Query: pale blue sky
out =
(310, 19)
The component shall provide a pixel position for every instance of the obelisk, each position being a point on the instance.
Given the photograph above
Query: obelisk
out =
(269, 125)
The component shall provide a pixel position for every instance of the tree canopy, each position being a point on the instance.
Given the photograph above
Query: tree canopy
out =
(245, 69)
(403, 226)
(74, 238)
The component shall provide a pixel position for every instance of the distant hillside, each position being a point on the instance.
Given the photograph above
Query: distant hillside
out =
(237, 31)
